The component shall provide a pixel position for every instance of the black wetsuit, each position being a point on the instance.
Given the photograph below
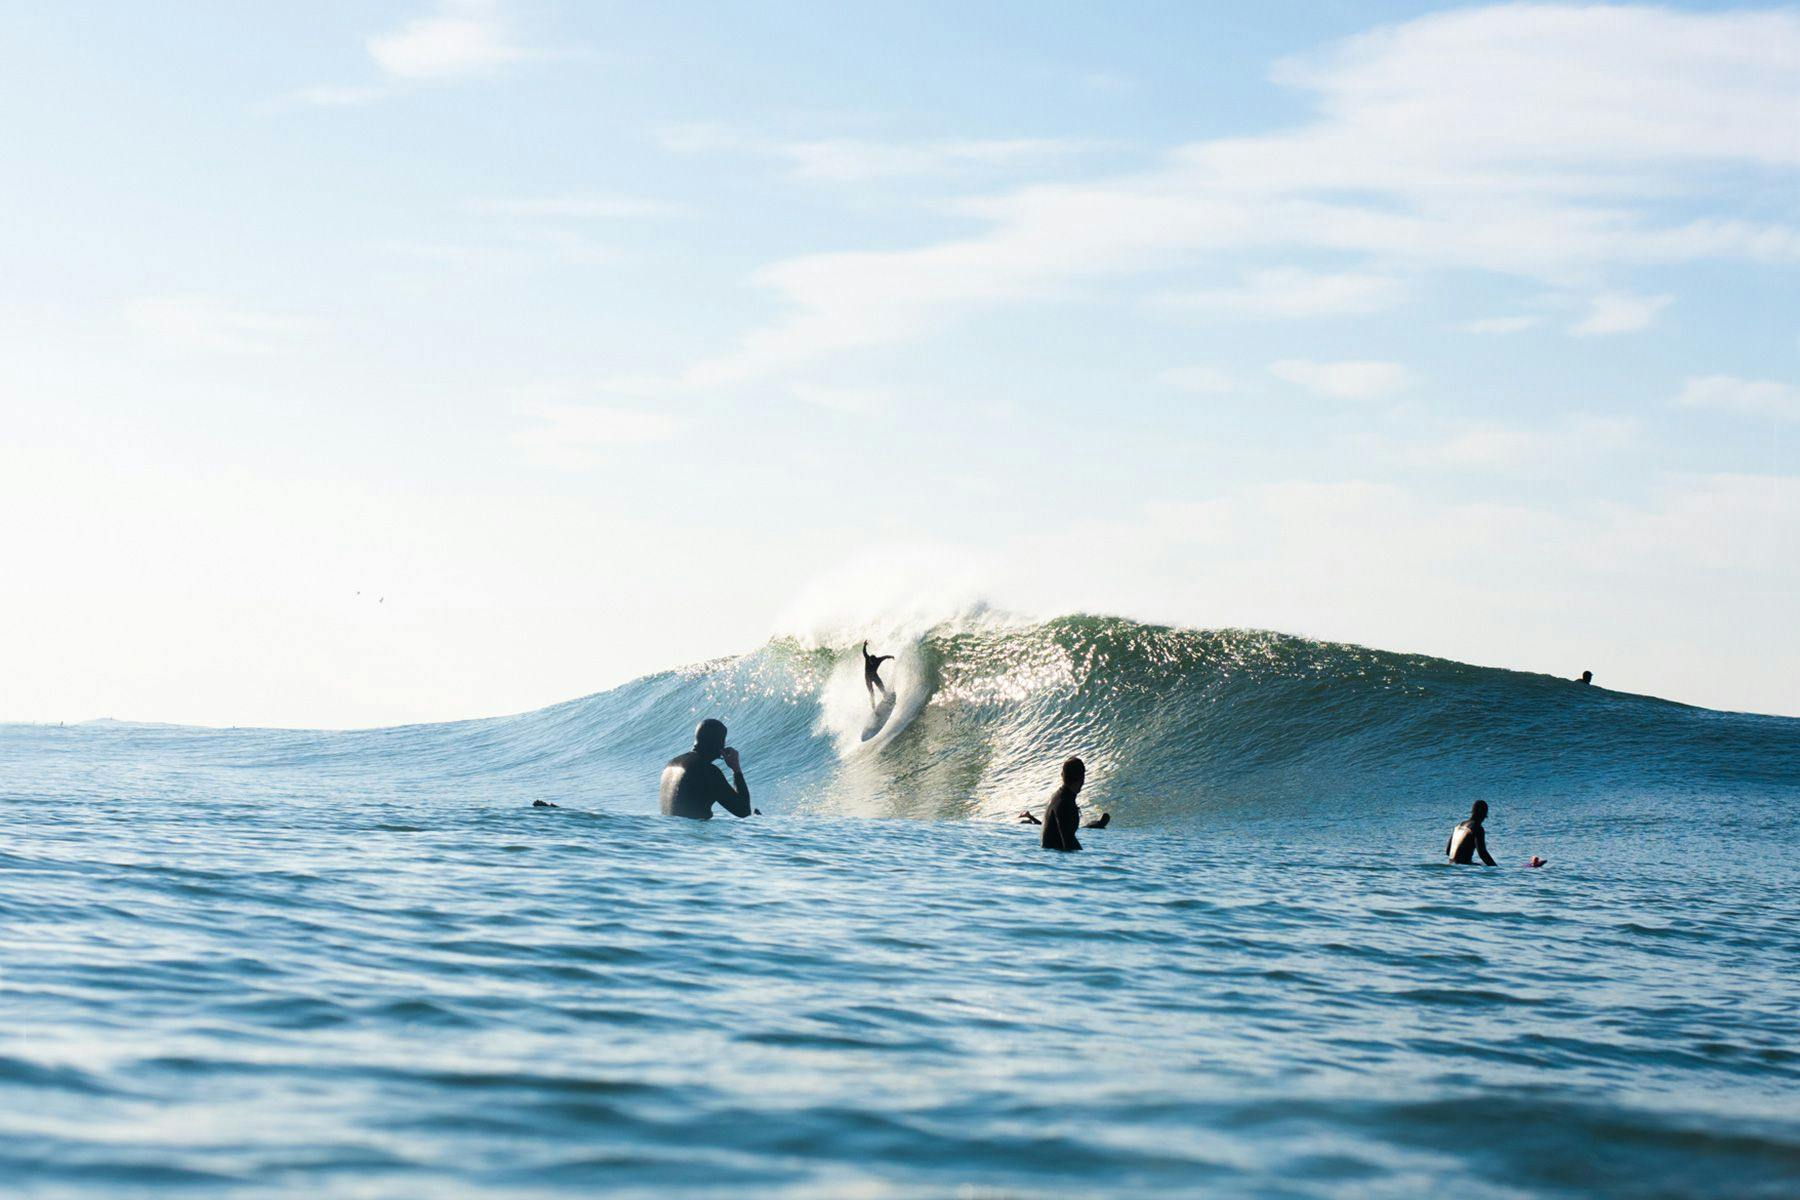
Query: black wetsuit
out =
(1062, 817)
(1466, 841)
(691, 785)
(872, 670)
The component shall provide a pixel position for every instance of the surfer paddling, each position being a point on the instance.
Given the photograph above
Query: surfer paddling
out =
(1469, 838)
(872, 675)
(691, 784)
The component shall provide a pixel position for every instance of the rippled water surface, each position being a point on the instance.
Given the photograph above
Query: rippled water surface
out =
(344, 994)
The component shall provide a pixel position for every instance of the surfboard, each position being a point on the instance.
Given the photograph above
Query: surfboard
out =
(884, 708)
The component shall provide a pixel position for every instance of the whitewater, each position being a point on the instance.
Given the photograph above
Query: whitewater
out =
(262, 962)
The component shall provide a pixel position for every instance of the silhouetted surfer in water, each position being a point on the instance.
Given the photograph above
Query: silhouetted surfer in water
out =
(872, 675)
(691, 785)
(1586, 677)
(1075, 770)
(1469, 839)
(1062, 816)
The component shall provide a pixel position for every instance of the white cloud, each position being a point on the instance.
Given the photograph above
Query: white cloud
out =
(577, 205)
(575, 435)
(1201, 380)
(463, 38)
(203, 325)
(847, 160)
(1619, 312)
(520, 248)
(862, 160)
(851, 401)
(1353, 380)
(1428, 153)
(338, 95)
(1291, 292)
(1502, 325)
(1495, 446)
(1754, 397)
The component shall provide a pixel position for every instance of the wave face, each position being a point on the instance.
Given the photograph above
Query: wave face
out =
(1175, 724)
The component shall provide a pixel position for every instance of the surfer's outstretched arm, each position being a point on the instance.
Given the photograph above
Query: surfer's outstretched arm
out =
(1481, 846)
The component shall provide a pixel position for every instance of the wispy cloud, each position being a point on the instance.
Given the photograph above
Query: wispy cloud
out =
(1620, 312)
(1291, 292)
(578, 435)
(1751, 397)
(194, 324)
(1496, 446)
(574, 206)
(1426, 155)
(844, 160)
(864, 160)
(1494, 326)
(1354, 380)
(460, 39)
(512, 248)
(339, 96)
(1200, 380)
(852, 401)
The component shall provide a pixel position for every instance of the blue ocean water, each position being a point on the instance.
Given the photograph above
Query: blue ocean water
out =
(241, 962)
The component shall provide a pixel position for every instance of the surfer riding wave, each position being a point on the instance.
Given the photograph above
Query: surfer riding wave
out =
(872, 675)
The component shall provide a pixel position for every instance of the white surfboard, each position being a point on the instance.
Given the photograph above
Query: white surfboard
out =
(884, 708)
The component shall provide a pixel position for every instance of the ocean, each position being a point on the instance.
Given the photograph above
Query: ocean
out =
(239, 962)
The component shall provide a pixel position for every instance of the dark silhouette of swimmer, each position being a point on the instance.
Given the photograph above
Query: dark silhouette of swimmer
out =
(1587, 677)
(1062, 816)
(691, 784)
(872, 674)
(1469, 839)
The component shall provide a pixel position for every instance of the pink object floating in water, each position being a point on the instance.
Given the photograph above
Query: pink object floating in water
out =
(1535, 861)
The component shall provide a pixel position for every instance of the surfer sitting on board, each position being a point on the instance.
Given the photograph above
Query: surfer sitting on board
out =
(1469, 839)
(691, 785)
(1061, 815)
(872, 674)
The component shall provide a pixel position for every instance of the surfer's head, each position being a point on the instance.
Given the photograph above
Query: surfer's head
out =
(1074, 773)
(1477, 810)
(709, 738)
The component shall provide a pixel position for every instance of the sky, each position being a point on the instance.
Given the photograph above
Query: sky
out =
(379, 362)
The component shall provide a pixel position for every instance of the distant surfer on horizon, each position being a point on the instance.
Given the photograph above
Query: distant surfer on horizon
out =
(1586, 677)
(872, 675)
(1469, 838)
(1062, 816)
(691, 784)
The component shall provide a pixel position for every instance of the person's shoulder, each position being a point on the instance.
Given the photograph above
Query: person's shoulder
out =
(685, 759)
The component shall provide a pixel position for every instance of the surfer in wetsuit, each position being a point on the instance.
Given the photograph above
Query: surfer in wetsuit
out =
(691, 784)
(1062, 816)
(1469, 839)
(1586, 677)
(872, 674)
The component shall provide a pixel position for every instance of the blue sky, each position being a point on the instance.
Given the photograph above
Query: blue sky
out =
(375, 362)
